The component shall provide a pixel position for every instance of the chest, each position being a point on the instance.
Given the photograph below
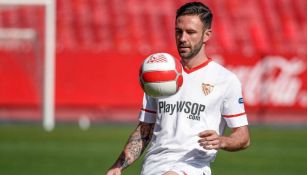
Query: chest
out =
(200, 93)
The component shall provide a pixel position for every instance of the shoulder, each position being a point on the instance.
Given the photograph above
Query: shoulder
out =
(223, 72)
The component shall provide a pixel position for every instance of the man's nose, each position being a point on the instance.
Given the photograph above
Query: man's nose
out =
(183, 37)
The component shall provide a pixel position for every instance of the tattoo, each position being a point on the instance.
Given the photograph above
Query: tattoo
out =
(123, 161)
(136, 144)
(139, 140)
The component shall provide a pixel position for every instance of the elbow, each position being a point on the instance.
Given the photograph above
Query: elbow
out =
(246, 140)
(246, 144)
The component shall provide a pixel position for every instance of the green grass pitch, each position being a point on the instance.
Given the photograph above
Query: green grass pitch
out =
(28, 150)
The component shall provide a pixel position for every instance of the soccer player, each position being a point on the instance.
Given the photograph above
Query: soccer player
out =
(186, 130)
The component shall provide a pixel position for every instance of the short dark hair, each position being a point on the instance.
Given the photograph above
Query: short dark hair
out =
(196, 8)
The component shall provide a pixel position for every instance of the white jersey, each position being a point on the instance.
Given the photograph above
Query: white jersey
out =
(209, 99)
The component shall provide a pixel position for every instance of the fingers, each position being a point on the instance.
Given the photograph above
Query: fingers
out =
(209, 137)
(209, 140)
(209, 144)
(206, 142)
(207, 133)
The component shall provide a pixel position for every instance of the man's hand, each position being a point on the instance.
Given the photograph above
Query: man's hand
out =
(209, 140)
(114, 171)
(237, 140)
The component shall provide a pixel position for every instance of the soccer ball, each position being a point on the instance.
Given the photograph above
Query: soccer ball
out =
(161, 75)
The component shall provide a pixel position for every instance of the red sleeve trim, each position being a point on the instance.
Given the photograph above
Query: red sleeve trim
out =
(149, 111)
(235, 115)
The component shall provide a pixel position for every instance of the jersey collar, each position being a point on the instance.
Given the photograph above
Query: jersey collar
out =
(188, 71)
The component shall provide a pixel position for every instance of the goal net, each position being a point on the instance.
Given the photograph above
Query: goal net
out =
(27, 62)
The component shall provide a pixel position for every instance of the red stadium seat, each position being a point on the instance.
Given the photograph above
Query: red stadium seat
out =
(148, 26)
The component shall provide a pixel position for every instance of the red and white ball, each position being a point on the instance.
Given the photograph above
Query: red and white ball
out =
(161, 75)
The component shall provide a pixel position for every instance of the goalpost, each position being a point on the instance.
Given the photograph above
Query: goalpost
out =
(49, 55)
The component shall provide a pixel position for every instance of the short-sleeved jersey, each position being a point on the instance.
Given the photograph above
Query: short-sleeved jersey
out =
(209, 99)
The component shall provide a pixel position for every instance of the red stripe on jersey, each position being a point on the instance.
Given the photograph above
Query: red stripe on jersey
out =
(149, 111)
(158, 76)
(197, 67)
(235, 115)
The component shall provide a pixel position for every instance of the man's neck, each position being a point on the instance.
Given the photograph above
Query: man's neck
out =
(195, 61)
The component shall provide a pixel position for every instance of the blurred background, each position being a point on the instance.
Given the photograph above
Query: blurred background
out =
(100, 45)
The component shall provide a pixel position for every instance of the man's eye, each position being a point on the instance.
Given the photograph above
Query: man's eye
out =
(191, 32)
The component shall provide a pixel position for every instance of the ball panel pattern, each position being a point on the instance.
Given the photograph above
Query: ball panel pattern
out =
(161, 75)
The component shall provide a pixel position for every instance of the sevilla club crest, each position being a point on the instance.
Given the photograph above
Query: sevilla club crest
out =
(207, 88)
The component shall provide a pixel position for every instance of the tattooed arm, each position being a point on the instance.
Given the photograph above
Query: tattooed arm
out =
(134, 147)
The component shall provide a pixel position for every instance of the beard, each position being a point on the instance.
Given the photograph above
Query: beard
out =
(194, 50)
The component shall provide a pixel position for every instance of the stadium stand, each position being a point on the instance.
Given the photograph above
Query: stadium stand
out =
(94, 35)
(102, 25)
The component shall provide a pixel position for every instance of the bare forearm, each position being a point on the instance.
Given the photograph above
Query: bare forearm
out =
(231, 144)
(238, 140)
(131, 152)
(135, 146)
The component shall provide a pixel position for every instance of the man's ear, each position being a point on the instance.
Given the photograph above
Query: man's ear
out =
(207, 35)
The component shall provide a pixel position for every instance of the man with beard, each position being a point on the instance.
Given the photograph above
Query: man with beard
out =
(185, 139)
